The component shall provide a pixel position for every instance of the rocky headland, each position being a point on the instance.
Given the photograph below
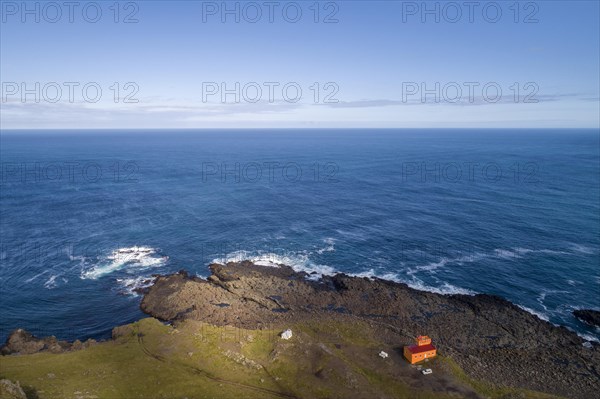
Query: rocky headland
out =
(221, 337)
(490, 338)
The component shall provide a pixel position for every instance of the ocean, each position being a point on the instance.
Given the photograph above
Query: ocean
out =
(514, 213)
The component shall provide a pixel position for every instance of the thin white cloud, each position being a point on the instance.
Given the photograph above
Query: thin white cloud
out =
(551, 111)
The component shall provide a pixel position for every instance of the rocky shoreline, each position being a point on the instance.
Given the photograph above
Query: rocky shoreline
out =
(22, 342)
(490, 338)
(589, 316)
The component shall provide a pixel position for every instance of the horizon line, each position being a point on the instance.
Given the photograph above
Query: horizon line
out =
(296, 128)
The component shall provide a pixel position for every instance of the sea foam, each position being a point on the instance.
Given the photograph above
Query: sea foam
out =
(129, 257)
(300, 262)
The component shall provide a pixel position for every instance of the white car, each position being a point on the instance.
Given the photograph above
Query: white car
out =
(427, 371)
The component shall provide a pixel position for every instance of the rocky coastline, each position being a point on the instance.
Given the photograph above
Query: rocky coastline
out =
(589, 316)
(490, 340)
(489, 337)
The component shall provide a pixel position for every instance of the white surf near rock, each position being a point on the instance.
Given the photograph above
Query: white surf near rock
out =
(135, 257)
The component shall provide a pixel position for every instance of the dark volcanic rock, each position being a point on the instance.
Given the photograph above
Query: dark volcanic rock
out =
(489, 337)
(591, 317)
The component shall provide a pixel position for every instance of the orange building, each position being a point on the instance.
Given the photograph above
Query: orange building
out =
(421, 351)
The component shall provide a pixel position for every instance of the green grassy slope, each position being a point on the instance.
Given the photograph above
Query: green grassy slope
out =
(195, 360)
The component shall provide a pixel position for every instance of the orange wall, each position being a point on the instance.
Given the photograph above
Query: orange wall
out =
(418, 357)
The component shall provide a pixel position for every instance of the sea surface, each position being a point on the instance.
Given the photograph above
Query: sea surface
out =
(514, 213)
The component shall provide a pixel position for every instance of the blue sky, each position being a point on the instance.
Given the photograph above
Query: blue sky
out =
(374, 58)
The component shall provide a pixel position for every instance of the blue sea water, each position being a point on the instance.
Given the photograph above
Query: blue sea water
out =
(509, 212)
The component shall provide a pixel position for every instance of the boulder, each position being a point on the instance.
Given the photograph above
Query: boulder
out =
(589, 316)
(287, 334)
(11, 390)
(22, 342)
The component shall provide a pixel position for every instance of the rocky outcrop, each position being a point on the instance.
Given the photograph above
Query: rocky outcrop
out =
(11, 390)
(21, 342)
(592, 317)
(489, 337)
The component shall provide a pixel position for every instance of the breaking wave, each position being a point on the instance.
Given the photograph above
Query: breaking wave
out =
(588, 337)
(131, 257)
(444, 289)
(330, 246)
(534, 312)
(132, 286)
(300, 262)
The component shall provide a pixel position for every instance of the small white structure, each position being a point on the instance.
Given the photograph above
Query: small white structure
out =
(427, 371)
(287, 334)
(383, 355)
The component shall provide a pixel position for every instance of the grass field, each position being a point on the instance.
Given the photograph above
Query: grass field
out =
(149, 359)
